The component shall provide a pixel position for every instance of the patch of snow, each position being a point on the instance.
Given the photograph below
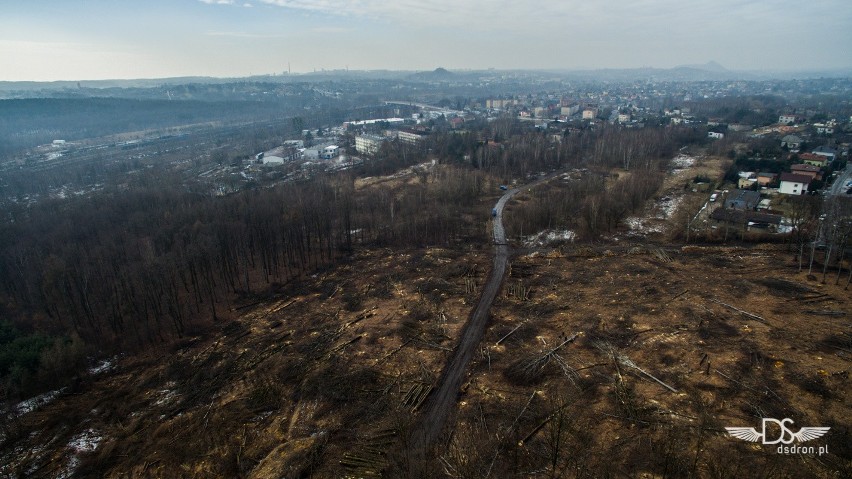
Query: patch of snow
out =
(667, 205)
(682, 162)
(546, 237)
(32, 404)
(14, 459)
(703, 207)
(103, 366)
(83, 443)
(68, 472)
(262, 416)
(640, 226)
(86, 441)
(166, 395)
(786, 226)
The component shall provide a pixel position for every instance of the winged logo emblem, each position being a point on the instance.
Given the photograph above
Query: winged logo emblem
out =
(787, 436)
(808, 433)
(744, 433)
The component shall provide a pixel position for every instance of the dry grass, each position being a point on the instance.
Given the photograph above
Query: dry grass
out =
(728, 369)
(307, 387)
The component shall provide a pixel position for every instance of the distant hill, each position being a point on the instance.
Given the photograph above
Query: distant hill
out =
(438, 74)
(710, 66)
(697, 72)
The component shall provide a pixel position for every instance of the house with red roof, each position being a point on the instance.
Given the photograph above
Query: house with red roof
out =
(807, 170)
(819, 161)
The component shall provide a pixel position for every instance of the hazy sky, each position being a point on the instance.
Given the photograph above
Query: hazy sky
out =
(100, 39)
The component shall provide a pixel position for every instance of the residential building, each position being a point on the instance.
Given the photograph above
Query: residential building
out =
(787, 119)
(623, 117)
(740, 127)
(311, 153)
(816, 160)
(715, 135)
(810, 171)
(589, 114)
(791, 142)
(411, 137)
(368, 144)
(497, 104)
(748, 219)
(746, 180)
(272, 160)
(329, 152)
(824, 129)
(792, 184)
(291, 152)
(826, 151)
(742, 200)
(392, 121)
(765, 179)
(569, 109)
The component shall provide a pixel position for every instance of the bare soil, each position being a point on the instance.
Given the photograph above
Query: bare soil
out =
(662, 308)
(624, 358)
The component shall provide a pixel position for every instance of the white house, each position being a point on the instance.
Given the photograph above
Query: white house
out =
(787, 119)
(824, 129)
(792, 184)
(311, 153)
(715, 135)
(329, 152)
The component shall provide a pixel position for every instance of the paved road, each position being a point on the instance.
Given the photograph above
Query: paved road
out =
(440, 402)
(838, 187)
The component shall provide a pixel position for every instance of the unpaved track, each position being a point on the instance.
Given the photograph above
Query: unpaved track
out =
(440, 402)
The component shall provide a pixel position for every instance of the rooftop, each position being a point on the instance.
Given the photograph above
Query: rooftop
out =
(794, 178)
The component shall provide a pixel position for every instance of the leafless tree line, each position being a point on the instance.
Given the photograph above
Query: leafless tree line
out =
(128, 268)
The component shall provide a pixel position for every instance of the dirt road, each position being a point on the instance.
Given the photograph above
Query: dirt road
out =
(440, 402)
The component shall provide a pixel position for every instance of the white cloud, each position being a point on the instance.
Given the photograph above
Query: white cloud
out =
(217, 2)
(245, 35)
(332, 30)
(585, 16)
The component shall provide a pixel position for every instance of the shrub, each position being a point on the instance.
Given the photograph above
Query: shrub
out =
(33, 362)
